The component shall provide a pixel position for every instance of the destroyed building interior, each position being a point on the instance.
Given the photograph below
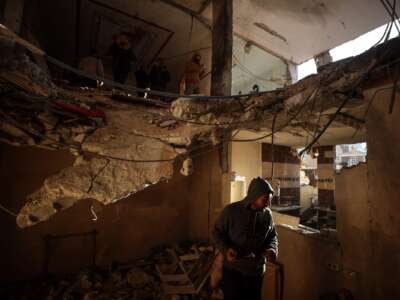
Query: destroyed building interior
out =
(112, 180)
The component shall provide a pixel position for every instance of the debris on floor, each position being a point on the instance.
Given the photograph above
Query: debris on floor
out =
(179, 272)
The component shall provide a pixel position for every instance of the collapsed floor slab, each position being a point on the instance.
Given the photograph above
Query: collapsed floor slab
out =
(123, 144)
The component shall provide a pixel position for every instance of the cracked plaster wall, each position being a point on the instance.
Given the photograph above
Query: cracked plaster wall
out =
(163, 213)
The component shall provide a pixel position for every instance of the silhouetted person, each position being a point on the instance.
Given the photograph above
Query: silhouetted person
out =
(123, 56)
(193, 74)
(92, 65)
(245, 235)
(159, 76)
(142, 80)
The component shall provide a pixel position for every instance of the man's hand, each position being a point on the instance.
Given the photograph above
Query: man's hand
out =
(270, 255)
(231, 255)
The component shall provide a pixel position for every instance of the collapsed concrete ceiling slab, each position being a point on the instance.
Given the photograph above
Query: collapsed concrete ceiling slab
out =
(123, 143)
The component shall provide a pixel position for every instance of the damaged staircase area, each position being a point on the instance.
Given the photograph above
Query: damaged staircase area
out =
(122, 143)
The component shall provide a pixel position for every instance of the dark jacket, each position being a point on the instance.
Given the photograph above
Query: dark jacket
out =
(122, 58)
(142, 78)
(247, 231)
(159, 77)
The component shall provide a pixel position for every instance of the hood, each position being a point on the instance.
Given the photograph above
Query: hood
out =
(257, 187)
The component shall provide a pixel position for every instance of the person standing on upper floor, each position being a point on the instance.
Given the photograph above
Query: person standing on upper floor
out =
(193, 75)
(91, 65)
(246, 237)
(122, 57)
(159, 76)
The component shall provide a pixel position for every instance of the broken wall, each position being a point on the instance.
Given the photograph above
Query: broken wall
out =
(306, 259)
(285, 219)
(353, 229)
(328, 264)
(367, 256)
(126, 230)
(383, 140)
(346, 260)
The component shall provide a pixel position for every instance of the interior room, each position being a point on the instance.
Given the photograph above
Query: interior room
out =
(199, 149)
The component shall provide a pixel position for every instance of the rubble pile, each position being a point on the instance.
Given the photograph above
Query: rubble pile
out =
(168, 273)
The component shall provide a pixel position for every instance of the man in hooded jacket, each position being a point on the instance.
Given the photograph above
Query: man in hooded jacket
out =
(245, 235)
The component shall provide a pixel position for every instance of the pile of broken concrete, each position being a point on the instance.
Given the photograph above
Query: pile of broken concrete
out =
(169, 272)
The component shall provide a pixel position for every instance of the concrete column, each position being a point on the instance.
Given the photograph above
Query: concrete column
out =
(222, 41)
(383, 140)
(221, 77)
(291, 73)
(326, 175)
(322, 59)
(13, 13)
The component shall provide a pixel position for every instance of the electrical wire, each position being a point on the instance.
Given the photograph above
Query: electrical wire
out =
(392, 6)
(364, 76)
(314, 93)
(317, 124)
(369, 70)
(347, 98)
(391, 10)
(388, 29)
(370, 104)
(191, 153)
(5, 209)
(383, 36)
(169, 160)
